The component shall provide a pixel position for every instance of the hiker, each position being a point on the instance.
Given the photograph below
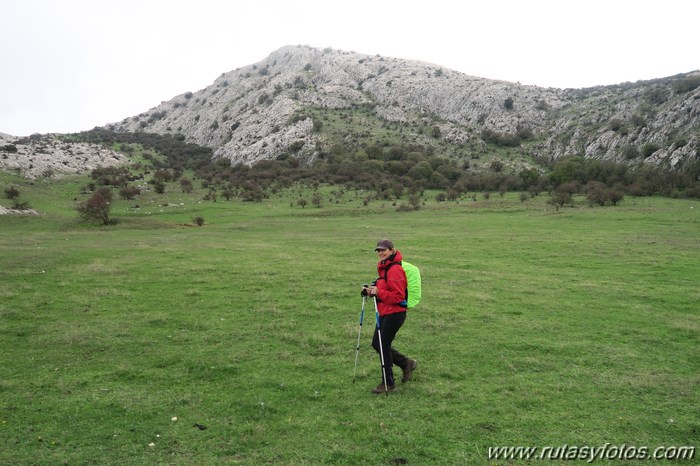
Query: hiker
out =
(390, 293)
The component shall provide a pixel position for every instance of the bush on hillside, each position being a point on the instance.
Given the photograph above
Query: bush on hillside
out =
(97, 207)
(11, 192)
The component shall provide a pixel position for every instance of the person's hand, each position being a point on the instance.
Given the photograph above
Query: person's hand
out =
(373, 290)
(365, 291)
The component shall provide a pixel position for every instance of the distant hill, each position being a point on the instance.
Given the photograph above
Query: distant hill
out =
(306, 102)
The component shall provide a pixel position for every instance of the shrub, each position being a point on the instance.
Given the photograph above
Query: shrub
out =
(649, 148)
(405, 208)
(508, 103)
(509, 140)
(97, 207)
(296, 146)
(686, 85)
(542, 105)
(21, 205)
(681, 142)
(615, 196)
(11, 192)
(596, 193)
(559, 198)
(616, 124)
(186, 185)
(198, 220)
(414, 201)
(525, 133)
(496, 166)
(630, 152)
(129, 192)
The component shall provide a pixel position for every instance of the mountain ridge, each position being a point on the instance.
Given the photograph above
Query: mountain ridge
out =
(307, 102)
(247, 115)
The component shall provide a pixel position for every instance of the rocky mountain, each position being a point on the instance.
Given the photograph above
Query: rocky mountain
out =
(294, 101)
(308, 102)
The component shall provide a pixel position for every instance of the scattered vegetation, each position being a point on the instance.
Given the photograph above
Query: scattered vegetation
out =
(381, 171)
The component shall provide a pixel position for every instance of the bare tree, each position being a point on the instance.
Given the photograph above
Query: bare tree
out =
(97, 207)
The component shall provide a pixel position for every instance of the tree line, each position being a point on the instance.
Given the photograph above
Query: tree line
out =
(390, 172)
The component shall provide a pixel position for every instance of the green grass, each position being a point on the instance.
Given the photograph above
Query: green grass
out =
(537, 327)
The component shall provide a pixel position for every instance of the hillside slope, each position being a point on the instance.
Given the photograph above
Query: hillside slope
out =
(281, 106)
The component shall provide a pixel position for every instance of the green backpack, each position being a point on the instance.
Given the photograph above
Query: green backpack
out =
(413, 288)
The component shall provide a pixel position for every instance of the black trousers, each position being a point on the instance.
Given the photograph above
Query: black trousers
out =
(389, 326)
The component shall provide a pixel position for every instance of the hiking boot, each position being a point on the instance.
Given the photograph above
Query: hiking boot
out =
(408, 370)
(381, 388)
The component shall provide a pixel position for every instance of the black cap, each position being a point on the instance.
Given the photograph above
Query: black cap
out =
(384, 244)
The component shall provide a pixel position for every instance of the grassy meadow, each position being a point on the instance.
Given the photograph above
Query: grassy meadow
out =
(154, 341)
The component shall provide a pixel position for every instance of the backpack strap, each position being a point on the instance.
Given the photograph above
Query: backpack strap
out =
(403, 303)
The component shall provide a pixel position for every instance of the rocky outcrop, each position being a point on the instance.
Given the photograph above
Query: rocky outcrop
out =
(6, 211)
(48, 155)
(656, 121)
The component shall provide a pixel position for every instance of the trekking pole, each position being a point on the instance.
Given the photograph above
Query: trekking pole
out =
(357, 350)
(381, 347)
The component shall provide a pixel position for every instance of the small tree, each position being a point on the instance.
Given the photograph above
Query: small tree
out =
(397, 189)
(508, 103)
(186, 185)
(129, 192)
(615, 196)
(317, 199)
(414, 201)
(559, 198)
(302, 202)
(11, 192)
(596, 193)
(97, 207)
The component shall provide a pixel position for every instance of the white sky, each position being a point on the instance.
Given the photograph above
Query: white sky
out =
(71, 65)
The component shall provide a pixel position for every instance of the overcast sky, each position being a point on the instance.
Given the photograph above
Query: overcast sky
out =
(71, 65)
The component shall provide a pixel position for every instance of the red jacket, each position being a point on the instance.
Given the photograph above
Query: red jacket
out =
(391, 287)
